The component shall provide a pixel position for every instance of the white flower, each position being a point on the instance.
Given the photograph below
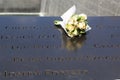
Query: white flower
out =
(81, 25)
(84, 16)
(70, 27)
(74, 17)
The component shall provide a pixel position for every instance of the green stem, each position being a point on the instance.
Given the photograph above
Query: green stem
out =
(57, 22)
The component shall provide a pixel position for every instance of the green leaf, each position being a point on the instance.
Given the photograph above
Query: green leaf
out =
(79, 18)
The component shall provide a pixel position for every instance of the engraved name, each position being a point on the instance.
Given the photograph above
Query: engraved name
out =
(37, 46)
(13, 37)
(47, 72)
(64, 59)
(106, 45)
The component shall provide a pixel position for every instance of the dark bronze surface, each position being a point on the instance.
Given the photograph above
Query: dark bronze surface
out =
(33, 48)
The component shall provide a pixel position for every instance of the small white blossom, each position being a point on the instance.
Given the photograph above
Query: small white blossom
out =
(80, 25)
(83, 16)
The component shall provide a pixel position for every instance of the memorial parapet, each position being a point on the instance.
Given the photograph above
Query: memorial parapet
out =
(33, 48)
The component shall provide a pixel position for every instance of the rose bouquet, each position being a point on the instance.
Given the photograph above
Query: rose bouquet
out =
(73, 24)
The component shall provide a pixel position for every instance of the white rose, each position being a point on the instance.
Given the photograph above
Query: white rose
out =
(75, 17)
(84, 16)
(70, 28)
(80, 25)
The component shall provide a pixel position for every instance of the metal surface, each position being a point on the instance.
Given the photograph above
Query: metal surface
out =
(32, 48)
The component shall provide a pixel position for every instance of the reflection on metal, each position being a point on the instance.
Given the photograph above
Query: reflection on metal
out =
(72, 44)
(23, 14)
